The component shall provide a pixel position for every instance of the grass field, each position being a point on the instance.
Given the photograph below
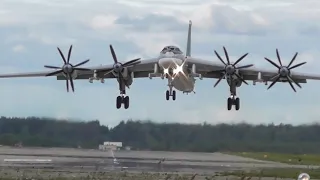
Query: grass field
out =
(276, 173)
(303, 159)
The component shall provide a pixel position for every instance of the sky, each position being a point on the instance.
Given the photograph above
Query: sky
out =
(31, 30)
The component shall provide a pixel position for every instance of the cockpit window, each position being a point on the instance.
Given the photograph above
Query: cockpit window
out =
(173, 49)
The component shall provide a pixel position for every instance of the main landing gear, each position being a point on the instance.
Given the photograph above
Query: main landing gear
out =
(170, 92)
(123, 100)
(233, 101)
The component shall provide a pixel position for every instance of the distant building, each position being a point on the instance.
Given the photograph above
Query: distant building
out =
(110, 146)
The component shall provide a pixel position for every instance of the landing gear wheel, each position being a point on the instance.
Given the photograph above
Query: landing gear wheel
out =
(119, 102)
(229, 104)
(167, 95)
(126, 102)
(237, 104)
(173, 95)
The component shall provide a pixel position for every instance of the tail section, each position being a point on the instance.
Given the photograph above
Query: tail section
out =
(188, 52)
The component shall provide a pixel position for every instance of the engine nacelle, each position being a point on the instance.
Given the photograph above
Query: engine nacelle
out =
(235, 80)
(125, 73)
(74, 75)
(127, 76)
(238, 82)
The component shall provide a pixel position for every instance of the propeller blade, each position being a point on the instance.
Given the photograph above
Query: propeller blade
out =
(113, 54)
(219, 57)
(218, 81)
(274, 77)
(107, 71)
(63, 58)
(241, 78)
(67, 84)
(52, 67)
(130, 62)
(291, 84)
(297, 65)
(245, 66)
(278, 56)
(69, 54)
(294, 57)
(226, 53)
(54, 73)
(276, 65)
(71, 82)
(240, 59)
(274, 82)
(82, 63)
(294, 81)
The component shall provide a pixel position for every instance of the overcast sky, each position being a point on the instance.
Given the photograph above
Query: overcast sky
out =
(30, 31)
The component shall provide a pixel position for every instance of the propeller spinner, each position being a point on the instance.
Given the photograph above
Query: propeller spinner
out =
(284, 71)
(67, 68)
(230, 69)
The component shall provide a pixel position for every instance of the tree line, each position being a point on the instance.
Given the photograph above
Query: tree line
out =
(148, 135)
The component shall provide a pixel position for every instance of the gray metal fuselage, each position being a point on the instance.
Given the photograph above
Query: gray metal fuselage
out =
(181, 81)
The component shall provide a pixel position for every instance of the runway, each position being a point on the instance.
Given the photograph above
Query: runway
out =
(76, 160)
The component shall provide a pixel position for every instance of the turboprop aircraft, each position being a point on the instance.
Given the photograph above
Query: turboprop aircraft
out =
(180, 70)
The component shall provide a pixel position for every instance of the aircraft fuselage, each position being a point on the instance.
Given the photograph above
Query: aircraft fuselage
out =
(181, 81)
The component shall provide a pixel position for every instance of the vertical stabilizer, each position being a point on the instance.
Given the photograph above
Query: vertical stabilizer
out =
(188, 52)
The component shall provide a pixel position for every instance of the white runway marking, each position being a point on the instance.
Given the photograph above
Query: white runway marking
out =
(27, 160)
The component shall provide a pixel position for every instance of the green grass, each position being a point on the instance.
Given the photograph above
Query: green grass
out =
(279, 173)
(305, 159)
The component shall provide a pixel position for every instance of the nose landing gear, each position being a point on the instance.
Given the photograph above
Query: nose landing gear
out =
(170, 92)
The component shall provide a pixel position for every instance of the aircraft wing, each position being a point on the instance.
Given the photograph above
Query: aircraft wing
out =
(206, 68)
(28, 74)
(141, 70)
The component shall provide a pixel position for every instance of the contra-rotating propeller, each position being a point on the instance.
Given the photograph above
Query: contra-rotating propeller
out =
(285, 71)
(230, 69)
(67, 68)
(118, 67)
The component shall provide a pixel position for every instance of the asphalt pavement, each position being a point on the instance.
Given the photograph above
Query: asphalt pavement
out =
(85, 161)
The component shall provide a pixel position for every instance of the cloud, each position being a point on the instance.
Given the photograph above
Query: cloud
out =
(103, 21)
(19, 48)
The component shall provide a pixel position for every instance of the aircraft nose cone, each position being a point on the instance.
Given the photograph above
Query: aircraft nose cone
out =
(168, 62)
(169, 54)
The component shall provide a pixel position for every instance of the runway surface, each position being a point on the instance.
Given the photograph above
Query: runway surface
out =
(72, 160)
